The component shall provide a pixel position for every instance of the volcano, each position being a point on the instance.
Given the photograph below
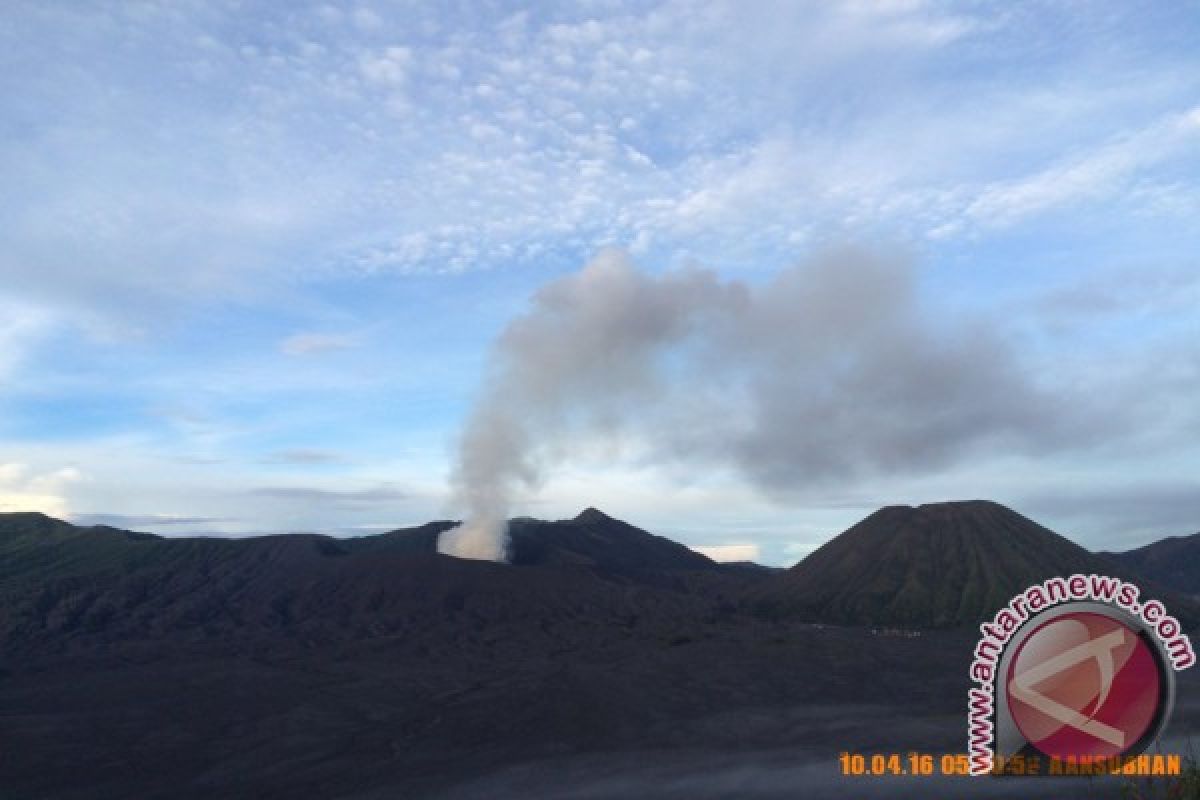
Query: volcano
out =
(595, 539)
(591, 539)
(936, 565)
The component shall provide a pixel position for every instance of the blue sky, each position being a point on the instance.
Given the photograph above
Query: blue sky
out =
(256, 253)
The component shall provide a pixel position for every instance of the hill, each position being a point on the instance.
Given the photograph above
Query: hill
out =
(936, 565)
(595, 539)
(591, 539)
(1173, 562)
(63, 586)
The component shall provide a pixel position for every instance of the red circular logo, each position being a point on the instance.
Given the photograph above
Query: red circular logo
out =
(1084, 684)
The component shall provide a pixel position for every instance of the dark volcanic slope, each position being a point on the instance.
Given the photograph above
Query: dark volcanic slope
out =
(1174, 562)
(422, 539)
(935, 565)
(305, 666)
(595, 539)
(592, 539)
(64, 587)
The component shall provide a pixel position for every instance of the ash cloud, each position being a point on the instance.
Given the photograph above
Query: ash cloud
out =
(830, 369)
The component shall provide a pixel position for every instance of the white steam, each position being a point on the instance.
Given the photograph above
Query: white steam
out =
(827, 370)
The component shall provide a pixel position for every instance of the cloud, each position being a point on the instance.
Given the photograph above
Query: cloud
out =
(304, 456)
(215, 176)
(1113, 294)
(21, 489)
(1125, 514)
(133, 521)
(21, 326)
(382, 494)
(391, 67)
(729, 552)
(1089, 175)
(552, 133)
(310, 344)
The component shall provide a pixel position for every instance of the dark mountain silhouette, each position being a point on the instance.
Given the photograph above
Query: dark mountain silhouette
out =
(936, 565)
(591, 539)
(66, 586)
(595, 539)
(1173, 562)
(133, 665)
(750, 566)
(421, 539)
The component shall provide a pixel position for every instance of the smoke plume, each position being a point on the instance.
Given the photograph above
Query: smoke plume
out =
(829, 369)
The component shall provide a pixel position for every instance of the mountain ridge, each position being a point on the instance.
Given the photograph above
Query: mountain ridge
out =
(306, 665)
(934, 565)
(1173, 561)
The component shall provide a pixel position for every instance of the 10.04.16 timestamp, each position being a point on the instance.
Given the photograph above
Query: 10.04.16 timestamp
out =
(904, 764)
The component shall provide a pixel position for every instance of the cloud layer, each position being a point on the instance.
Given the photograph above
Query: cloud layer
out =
(267, 245)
